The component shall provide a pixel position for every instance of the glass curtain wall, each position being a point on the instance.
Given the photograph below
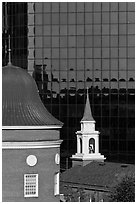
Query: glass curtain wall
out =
(14, 24)
(72, 46)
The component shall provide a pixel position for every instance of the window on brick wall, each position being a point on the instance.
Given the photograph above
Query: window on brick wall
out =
(31, 185)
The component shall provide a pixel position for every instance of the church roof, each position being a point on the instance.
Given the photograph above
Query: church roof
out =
(96, 174)
(21, 103)
(87, 112)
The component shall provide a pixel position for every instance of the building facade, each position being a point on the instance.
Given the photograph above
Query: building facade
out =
(97, 185)
(30, 141)
(69, 46)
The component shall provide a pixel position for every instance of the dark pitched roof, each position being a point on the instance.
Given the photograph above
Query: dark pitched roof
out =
(87, 112)
(21, 104)
(96, 174)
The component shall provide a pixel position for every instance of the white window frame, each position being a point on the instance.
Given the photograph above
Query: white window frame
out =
(26, 184)
(56, 183)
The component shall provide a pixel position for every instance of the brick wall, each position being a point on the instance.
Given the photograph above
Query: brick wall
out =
(30, 135)
(14, 167)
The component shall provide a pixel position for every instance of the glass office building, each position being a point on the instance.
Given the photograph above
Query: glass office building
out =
(14, 23)
(69, 46)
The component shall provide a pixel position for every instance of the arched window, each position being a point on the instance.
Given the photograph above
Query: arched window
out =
(91, 146)
(80, 145)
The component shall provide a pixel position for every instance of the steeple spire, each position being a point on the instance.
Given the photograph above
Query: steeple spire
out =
(87, 112)
(9, 52)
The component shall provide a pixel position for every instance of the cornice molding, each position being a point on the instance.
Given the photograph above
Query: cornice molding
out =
(31, 127)
(31, 145)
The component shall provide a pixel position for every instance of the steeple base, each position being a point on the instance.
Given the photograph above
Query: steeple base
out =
(84, 159)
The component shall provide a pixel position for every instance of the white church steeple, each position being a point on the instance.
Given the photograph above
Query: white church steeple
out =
(87, 139)
(87, 122)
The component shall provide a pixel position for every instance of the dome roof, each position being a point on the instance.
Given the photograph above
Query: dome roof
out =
(21, 104)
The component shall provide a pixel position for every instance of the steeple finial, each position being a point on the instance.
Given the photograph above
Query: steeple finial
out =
(87, 91)
(9, 52)
(87, 112)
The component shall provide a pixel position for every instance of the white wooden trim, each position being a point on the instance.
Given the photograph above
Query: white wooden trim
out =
(56, 183)
(95, 133)
(86, 121)
(31, 127)
(31, 145)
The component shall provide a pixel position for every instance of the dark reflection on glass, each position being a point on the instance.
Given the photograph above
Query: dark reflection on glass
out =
(16, 27)
(113, 120)
(131, 79)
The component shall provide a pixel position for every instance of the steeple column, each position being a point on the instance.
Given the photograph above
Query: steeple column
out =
(85, 145)
(97, 144)
(78, 144)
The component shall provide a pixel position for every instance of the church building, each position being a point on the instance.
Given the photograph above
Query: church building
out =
(30, 141)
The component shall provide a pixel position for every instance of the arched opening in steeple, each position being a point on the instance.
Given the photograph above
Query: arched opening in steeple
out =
(80, 145)
(91, 146)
